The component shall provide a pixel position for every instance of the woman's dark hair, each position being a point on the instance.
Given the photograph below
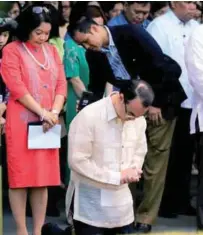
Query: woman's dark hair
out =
(30, 19)
(54, 15)
(94, 12)
(62, 22)
(107, 6)
(11, 4)
(78, 11)
(7, 25)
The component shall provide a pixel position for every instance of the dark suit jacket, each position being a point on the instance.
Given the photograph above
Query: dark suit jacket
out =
(142, 58)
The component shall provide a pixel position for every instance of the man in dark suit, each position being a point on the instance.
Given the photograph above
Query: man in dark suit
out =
(129, 52)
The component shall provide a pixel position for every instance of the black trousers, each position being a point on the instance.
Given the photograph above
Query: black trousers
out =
(199, 141)
(85, 229)
(176, 196)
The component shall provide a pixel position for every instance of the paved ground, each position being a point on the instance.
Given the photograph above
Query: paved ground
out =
(181, 224)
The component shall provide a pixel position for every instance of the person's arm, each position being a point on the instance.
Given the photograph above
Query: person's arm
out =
(194, 61)
(78, 86)
(61, 86)
(72, 68)
(80, 152)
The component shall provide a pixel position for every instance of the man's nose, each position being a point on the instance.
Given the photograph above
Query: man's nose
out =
(140, 16)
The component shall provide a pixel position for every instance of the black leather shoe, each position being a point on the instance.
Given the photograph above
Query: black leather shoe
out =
(143, 228)
(52, 229)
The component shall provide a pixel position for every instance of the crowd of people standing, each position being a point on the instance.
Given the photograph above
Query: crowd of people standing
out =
(142, 61)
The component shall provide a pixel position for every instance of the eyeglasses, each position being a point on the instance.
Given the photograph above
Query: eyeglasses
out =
(40, 10)
(146, 104)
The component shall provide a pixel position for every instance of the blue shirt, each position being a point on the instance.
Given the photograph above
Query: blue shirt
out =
(114, 59)
(121, 20)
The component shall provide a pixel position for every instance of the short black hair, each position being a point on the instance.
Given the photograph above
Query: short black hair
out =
(83, 26)
(108, 6)
(137, 89)
(144, 3)
(28, 20)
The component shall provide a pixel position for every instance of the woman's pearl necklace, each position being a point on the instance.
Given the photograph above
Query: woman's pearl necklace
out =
(46, 64)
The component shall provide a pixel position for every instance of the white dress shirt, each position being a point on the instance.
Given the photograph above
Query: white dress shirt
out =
(100, 147)
(194, 62)
(172, 35)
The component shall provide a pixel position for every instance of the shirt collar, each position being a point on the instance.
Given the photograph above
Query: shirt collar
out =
(111, 42)
(111, 112)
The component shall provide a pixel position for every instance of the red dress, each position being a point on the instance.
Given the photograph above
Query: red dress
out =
(22, 75)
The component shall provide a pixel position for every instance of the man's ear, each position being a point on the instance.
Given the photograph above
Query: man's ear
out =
(121, 96)
(94, 28)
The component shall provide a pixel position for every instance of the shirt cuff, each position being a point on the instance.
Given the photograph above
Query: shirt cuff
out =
(115, 178)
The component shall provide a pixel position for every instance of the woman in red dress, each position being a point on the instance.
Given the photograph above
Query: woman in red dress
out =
(34, 74)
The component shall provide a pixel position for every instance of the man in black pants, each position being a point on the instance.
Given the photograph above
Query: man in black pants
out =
(194, 61)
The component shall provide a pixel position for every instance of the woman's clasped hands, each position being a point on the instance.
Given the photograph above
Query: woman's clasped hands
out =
(49, 119)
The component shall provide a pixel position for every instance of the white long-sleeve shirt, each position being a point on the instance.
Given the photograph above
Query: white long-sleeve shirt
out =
(194, 62)
(100, 147)
(172, 35)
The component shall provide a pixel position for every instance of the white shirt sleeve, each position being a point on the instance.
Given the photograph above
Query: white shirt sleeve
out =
(194, 60)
